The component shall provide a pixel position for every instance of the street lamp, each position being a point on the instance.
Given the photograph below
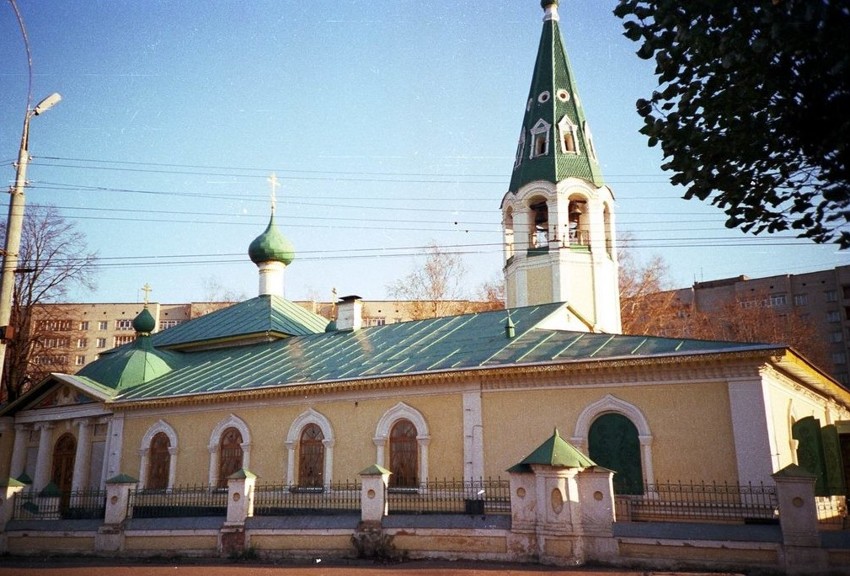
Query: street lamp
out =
(14, 224)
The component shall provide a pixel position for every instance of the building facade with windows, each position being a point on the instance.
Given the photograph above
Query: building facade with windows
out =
(821, 299)
(268, 386)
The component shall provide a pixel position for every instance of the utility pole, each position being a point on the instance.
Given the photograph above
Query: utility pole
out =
(14, 225)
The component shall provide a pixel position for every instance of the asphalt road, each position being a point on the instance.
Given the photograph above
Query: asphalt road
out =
(39, 566)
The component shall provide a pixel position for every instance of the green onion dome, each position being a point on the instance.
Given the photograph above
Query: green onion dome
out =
(144, 323)
(271, 246)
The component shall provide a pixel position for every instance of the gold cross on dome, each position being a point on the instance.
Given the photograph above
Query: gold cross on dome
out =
(275, 184)
(147, 290)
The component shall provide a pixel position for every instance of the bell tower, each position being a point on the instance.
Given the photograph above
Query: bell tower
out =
(558, 214)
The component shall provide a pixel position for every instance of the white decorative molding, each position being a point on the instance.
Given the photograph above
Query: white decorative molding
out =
(610, 404)
(231, 421)
(310, 416)
(144, 451)
(402, 411)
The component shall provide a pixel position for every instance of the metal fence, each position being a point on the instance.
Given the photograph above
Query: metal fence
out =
(286, 499)
(73, 505)
(483, 496)
(178, 501)
(700, 502)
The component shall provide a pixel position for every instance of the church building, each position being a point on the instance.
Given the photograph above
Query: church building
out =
(270, 387)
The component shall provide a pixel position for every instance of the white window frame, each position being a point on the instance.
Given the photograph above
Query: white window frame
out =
(293, 437)
(144, 449)
(402, 411)
(540, 128)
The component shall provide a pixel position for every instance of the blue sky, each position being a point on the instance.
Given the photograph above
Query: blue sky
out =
(391, 125)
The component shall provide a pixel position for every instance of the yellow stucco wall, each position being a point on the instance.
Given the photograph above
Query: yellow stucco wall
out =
(690, 426)
(354, 425)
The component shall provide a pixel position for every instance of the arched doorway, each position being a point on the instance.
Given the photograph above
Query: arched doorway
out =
(404, 451)
(311, 456)
(613, 443)
(64, 454)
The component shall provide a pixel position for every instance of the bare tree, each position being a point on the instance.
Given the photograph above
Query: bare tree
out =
(649, 307)
(492, 294)
(54, 258)
(433, 288)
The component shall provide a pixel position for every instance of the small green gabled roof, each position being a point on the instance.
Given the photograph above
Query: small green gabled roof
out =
(267, 314)
(553, 95)
(131, 365)
(555, 452)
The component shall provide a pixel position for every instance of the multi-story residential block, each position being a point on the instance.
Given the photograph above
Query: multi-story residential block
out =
(822, 298)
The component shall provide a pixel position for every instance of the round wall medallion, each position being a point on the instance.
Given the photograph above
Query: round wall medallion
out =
(370, 494)
(563, 95)
(113, 500)
(520, 492)
(236, 497)
(598, 495)
(797, 502)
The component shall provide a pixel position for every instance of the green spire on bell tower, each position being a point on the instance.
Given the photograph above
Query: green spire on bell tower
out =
(555, 142)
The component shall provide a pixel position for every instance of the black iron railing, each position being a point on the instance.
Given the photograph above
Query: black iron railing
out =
(73, 505)
(177, 502)
(286, 500)
(700, 502)
(483, 496)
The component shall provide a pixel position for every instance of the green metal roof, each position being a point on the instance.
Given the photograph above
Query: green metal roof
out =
(131, 365)
(266, 314)
(553, 77)
(468, 341)
(555, 452)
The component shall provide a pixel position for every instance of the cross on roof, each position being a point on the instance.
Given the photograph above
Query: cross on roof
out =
(147, 290)
(275, 184)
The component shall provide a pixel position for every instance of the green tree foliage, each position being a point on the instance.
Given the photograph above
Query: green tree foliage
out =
(751, 109)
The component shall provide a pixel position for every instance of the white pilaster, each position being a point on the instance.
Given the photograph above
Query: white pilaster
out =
(473, 436)
(42, 462)
(82, 459)
(755, 445)
(114, 446)
(19, 450)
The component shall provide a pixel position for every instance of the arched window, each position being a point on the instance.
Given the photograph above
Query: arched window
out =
(230, 455)
(404, 454)
(159, 462)
(613, 443)
(64, 454)
(311, 457)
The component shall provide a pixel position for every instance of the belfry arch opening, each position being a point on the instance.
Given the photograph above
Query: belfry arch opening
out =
(577, 234)
(539, 233)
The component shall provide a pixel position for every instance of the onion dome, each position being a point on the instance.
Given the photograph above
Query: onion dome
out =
(271, 246)
(144, 323)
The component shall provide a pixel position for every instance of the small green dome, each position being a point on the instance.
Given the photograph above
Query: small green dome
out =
(271, 246)
(144, 323)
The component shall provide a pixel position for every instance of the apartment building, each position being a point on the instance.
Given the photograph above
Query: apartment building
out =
(822, 298)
